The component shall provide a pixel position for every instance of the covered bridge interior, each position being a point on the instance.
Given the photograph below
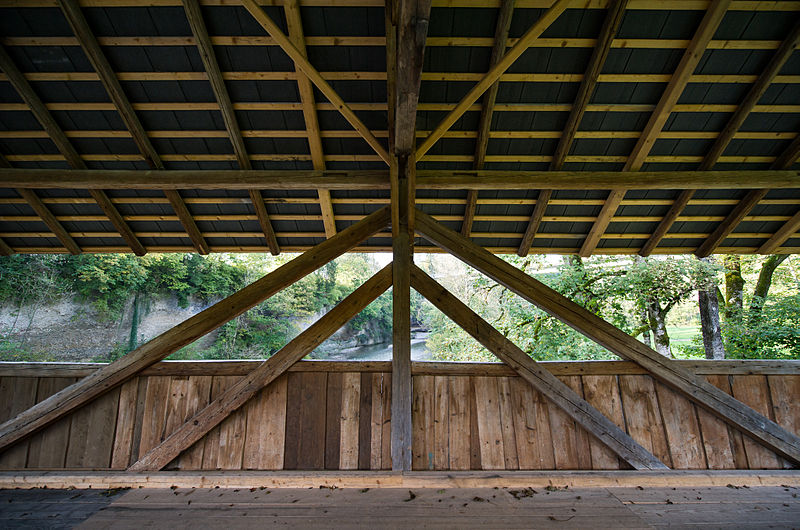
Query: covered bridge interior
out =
(474, 127)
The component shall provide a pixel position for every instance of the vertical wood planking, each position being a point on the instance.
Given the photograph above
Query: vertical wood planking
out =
(683, 431)
(48, 448)
(602, 392)
(565, 437)
(532, 426)
(386, 439)
(311, 444)
(17, 394)
(266, 427)
(232, 432)
(348, 438)
(365, 422)
(219, 385)
(488, 421)
(474, 445)
(643, 415)
(376, 422)
(582, 438)
(717, 440)
(752, 390)
(734, 435)
(126, 425)
(785, 390)
(333, 420)
(155, 410)
(176, 410)
(507, 423)
(441, 423)
(459, 420)
(198, 397)
(422, 422)
(92, 432)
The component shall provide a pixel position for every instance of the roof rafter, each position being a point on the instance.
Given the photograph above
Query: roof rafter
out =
(692, 55)
(487, 108)
(785, 160)
(493, 74)
(89, 45)
(302, 63)
(611, 25)
(206, 49)
(295, 24)
(730, 223)
(56, 134)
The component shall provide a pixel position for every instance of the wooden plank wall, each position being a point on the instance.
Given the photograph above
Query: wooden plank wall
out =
(341, 420)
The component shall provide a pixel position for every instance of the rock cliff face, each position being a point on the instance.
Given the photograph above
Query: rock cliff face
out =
(69, 330)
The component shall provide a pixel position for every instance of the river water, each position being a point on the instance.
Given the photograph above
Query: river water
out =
(383, 352)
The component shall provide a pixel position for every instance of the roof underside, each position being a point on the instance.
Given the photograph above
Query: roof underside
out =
(155, 57)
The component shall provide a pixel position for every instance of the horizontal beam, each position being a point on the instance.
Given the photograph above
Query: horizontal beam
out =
(372, 180)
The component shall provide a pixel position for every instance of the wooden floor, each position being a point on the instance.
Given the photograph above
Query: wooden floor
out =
(739, 507)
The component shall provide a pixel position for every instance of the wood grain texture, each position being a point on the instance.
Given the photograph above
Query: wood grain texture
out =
(349, 420)
(753, 390)
(333, 420)
(683, 431)
(48, 448)
(266, 427)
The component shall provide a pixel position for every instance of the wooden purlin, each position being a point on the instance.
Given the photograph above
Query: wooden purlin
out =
(730, 223)
(587, 416)
(302, 63)
(91, 48)
(56, 134)
(785, 160)
(247, 387)
(487, 108)
(611, 24)
(612, 338)
(89, 388)
(205, 48)
(295, 25)
(493, 75)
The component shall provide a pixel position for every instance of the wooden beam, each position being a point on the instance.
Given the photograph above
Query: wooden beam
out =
(302, 63)
(206, 49)
(85, 390)
(188, 222)
(74, 15)
(601, 223)
(789, 155)
(752, 98)
(612, 338)
(306, 90)
(784, 161)
(50, 220)
(119, 223)
(542, 380)
(542, 200)
(377, 180)
(487, 108)
(666, 222)
(236, 396)
(730, 223)
(691, 57)
(263, 218)
(493, 75)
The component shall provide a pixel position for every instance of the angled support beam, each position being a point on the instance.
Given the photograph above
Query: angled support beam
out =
(295, 24)
(65, 147)
(612, 338)
(408, 36)
(487, 108)
(694, 52)
(666, 222)
(236, 396)
(601, 223)
(755, 93)
(784, 161)
(542, 200)
(114, 374)
(206, 49)
(50, 220)
(493, 74)
(302, 63)
(539, 378)
(789, 156)
(90, 46)
(730, 223)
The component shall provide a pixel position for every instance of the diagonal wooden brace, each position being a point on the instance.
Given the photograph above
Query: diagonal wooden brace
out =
(108, 377)
(542, 380)
(248, 386)
(615, 340)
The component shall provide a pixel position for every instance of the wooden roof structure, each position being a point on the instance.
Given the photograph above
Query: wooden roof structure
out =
(509, 127)
(616, 127)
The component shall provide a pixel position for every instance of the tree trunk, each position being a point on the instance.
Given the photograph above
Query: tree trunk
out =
(659, 327)
(645, 321)
(709, 321)
(734, 286)
(762, 286)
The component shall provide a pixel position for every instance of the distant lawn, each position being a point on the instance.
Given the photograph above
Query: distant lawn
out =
(682, 333)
